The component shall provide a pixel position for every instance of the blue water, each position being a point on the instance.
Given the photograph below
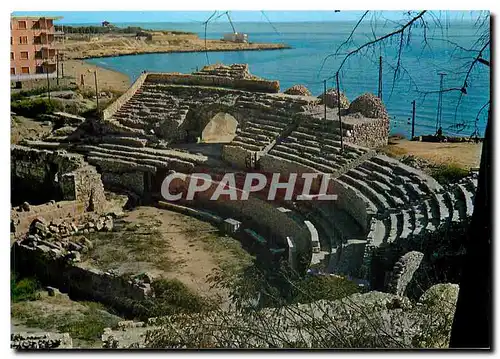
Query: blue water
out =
(312, 42)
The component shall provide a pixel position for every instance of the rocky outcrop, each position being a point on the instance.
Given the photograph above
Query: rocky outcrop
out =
(299, 90)
(369, 105)
(331, 98)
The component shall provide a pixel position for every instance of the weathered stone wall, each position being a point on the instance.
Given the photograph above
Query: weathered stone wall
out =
(133, 181)
(215, 81)
(350, 257)
(21, 220)
(120, 101)
(373, 133)
(56, 263)
(84, 185)
(237, 156)
(64, 175)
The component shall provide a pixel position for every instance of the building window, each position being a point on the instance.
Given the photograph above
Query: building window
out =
(24, 55)
(12, 56)
(38, 55)
(21, 25)
(37, 40)
(12, 70)
(25, 70)
(39, 70)
(23, 40)
(49, 23)
(11, 40)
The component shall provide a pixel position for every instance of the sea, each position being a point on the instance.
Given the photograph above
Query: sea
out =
(316, 54)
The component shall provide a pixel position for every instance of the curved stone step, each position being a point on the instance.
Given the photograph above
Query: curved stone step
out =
(377, 198)
(407, 225)
(451, 202)
(301, 160)
(370, 206)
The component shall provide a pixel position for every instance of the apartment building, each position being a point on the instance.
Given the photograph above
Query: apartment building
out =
(32, 49)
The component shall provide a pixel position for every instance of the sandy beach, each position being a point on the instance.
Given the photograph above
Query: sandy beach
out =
(107, 79)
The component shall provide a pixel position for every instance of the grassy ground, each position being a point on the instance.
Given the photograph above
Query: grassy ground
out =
(167, 245)
(84, 321)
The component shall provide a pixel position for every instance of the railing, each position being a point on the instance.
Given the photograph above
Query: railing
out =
(25, 77)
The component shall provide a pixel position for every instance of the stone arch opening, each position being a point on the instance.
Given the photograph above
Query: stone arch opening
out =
(213, 123)
(221, 128)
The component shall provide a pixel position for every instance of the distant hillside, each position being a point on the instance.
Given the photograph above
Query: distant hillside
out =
(111, 29)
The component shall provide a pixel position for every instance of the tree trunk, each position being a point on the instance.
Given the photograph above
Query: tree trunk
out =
(472, 322)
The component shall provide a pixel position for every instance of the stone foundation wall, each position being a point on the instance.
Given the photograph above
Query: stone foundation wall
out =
(84, 185)
(133, 181)
(215, 81)
(373, 133)
(59, 267)
(21, 220)
(67, 176)
(236, 156)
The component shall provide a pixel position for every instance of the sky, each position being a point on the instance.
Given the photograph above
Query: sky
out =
(81, 17)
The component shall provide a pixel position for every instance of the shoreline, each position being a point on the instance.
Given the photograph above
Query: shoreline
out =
(108, 79)
(164, 51)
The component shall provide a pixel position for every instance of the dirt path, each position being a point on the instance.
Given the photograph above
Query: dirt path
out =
(192, 262)
(465, 154)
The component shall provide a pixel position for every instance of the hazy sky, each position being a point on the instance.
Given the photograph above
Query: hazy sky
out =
(76, 17)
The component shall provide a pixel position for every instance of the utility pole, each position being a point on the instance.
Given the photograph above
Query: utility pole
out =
(48, 83)
(413, 120)
(57, 67)
(324, 96)
(340, 117)
(380, 78)
(440, 102)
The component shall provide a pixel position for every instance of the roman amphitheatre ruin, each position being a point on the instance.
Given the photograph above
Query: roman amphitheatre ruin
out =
(223, 120)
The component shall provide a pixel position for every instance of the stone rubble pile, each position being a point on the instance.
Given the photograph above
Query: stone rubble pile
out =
(56, 235)
(331, 98)
(299, 90)
(27, 341)
(369, 105)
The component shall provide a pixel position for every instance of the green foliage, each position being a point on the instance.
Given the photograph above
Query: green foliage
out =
(24, 289)
(171, 297)
(264, 284)
(448, 173)
(91, 326)
(112, 29)
(19, 95)
(35, 107)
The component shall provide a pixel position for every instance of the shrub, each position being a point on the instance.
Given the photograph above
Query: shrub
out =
(91, 326)
(34, 108)
(312, 288)
(24, 289)
(448, 173)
